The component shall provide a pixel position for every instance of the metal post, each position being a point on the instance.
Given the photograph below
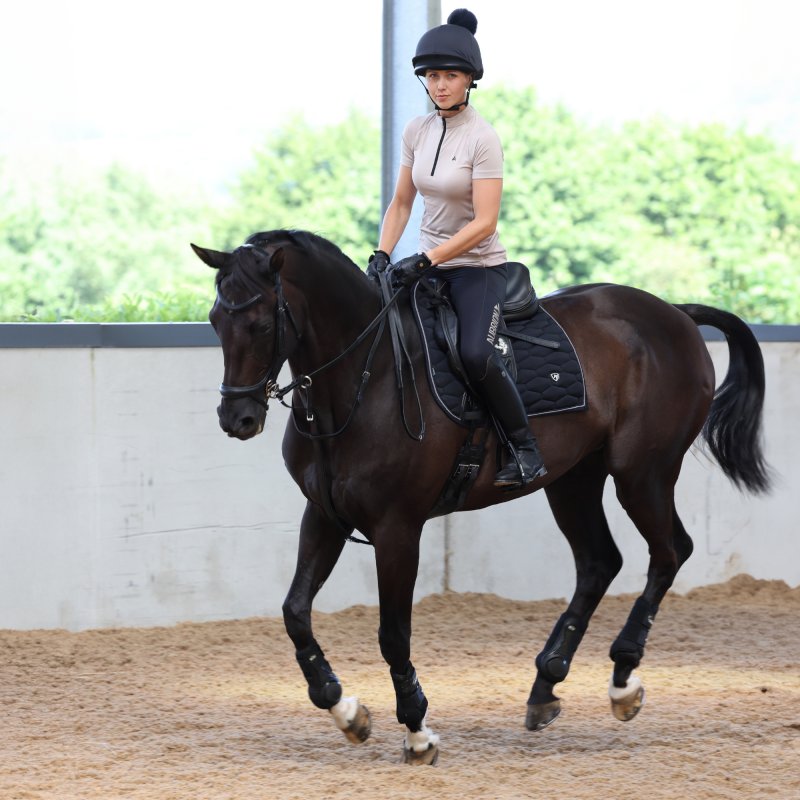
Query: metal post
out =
(404, 21)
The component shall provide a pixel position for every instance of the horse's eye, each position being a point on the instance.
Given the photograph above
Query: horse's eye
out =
(261, 327)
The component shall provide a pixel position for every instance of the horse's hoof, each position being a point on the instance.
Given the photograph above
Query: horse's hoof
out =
(427, 757)
(626, 701)
(360, 728)
(352, 719)
(421, 748)
(540, 715)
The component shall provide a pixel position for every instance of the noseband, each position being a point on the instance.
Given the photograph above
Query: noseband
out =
(267, 387)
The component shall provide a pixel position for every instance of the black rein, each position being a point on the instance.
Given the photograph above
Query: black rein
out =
(268, 387)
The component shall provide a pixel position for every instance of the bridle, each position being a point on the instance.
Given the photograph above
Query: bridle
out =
(267, 387)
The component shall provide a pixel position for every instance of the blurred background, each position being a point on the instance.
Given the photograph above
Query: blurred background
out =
(651, 144)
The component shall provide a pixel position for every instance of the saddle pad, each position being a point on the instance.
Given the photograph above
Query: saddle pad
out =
(550, 381)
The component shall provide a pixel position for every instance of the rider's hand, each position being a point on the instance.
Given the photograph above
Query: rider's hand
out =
(378, 262)
(410, 269)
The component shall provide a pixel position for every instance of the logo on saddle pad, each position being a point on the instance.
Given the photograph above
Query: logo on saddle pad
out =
(556, 376)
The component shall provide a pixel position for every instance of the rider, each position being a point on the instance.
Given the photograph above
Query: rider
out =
(454, 158)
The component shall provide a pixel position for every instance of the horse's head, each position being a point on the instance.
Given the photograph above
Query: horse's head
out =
(256, 329)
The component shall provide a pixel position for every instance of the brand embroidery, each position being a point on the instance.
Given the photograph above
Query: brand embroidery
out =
(502, 346)
(556, 376)
(492, 335)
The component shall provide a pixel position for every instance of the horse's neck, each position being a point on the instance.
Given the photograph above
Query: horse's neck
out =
(339, 304)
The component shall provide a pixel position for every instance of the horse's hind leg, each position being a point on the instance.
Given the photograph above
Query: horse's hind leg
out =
(648, 499)
(576, 501)
(321, 543)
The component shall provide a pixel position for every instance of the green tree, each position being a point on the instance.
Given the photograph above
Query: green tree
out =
(730, 201)
(691, 213)
(82, 240)
(326, 180)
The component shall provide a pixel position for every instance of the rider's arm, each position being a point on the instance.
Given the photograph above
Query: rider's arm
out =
(398, 212)
(486, 196)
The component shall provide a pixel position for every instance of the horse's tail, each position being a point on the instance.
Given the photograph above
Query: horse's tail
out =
(732, 429)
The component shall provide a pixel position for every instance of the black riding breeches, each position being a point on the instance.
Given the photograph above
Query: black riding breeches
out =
(477, 295)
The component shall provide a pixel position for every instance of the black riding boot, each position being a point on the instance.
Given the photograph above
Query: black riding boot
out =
(502, 396)
(525, 464)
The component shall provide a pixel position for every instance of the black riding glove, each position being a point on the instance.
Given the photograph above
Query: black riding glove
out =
(378, 262)
(408, 270)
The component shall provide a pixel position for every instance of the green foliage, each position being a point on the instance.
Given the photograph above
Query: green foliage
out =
(182, 305)
(326, 180)
(698, 214)
(84, 241)
(691, 213)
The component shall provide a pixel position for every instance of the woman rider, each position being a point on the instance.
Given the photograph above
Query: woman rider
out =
(454, 158)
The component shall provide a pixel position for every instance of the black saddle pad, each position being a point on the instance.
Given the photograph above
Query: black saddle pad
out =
(550, 380)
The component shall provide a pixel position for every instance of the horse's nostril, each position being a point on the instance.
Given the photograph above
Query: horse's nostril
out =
(247, 422)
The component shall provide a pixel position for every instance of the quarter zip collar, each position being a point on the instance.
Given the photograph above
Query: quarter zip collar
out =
(451, 122)
(439, 147)
(461, 118)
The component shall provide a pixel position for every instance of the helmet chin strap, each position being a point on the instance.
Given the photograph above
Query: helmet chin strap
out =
(452, 108)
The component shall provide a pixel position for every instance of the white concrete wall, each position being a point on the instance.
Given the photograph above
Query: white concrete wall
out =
(122, 503)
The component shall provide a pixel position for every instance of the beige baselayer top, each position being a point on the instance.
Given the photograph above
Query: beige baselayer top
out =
(445, 155)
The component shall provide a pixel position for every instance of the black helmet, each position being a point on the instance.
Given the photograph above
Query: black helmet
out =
(451, 46)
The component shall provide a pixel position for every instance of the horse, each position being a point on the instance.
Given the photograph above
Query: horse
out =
(292, 296)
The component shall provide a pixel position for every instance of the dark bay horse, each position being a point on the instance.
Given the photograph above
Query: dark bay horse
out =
(293, 296)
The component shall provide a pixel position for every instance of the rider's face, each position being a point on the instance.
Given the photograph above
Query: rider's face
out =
(447, 87)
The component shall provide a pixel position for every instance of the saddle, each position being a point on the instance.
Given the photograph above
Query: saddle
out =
(535, 349)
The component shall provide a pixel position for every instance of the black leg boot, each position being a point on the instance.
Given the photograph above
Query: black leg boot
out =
(502, 396)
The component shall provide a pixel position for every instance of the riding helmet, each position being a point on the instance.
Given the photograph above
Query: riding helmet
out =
(451, 46)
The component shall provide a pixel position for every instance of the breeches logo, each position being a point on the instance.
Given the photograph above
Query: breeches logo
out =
(492, 334)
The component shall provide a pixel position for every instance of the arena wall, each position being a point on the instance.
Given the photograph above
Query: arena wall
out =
(123, 504)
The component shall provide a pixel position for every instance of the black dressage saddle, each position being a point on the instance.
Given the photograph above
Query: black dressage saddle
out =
(535, 348)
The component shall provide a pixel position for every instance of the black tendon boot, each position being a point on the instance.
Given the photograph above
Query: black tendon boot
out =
(502, 396)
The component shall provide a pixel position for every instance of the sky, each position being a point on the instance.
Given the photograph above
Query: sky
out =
(189, 88)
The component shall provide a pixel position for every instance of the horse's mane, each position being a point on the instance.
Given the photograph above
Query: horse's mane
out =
(305, 240)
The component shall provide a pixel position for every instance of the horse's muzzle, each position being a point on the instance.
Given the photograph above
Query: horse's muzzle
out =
(242, 418)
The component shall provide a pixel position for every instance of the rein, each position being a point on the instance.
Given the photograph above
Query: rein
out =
(268, 388)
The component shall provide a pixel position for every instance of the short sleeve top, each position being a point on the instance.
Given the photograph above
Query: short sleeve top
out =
(445, 155)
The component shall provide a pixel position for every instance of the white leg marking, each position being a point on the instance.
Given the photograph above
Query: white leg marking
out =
(419, 741)
(619, 694)
(344, 712)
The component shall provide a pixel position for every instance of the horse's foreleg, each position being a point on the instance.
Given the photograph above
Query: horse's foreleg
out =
(321, 543)
(576, 501)
(650, 505)
(397, 558)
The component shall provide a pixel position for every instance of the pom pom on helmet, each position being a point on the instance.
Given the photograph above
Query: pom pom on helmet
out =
(464, 18)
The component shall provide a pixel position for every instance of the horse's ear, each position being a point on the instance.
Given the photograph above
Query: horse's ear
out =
(214, 258)
(276, 261)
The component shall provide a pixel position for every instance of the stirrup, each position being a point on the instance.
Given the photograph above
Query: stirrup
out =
(514, 474)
